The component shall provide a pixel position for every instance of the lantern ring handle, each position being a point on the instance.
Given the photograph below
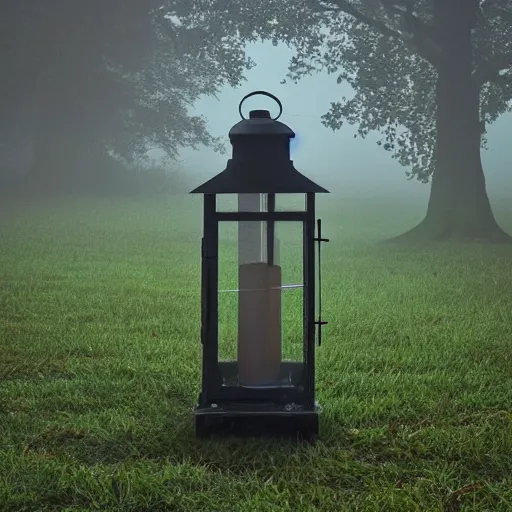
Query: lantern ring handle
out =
(263, 93)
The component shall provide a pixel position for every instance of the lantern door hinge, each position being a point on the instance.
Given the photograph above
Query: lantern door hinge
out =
(320, 322)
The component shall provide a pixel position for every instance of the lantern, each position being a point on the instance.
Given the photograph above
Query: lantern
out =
(254, 386)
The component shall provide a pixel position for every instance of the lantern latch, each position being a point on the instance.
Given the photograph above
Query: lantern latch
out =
(320, 322)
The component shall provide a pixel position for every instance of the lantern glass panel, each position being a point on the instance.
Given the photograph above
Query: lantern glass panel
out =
(290, 202)
(261, 303)
(242, 202)
(283, 202)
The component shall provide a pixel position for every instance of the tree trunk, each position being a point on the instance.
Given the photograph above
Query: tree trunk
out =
(459, 208)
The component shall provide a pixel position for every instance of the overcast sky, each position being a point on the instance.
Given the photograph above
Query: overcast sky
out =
(334, 159)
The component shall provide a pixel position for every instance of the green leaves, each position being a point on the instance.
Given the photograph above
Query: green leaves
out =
(375, 48)
(127, 72)
(120, 73)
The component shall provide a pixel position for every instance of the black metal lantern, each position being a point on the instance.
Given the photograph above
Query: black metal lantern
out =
(257, 390)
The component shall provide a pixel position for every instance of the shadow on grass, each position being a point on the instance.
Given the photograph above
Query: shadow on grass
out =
(171, 438)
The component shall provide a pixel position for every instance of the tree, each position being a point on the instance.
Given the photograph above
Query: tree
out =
(86, 80)
(430, 75)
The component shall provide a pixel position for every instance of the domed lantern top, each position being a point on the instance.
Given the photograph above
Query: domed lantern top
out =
(260, 160)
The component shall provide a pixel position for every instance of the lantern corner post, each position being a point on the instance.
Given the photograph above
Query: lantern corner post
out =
(209, 300)
(309, 302)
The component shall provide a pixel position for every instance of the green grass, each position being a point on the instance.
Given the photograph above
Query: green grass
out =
(100, 368)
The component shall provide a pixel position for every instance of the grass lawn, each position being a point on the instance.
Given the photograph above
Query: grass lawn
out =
(100, 368)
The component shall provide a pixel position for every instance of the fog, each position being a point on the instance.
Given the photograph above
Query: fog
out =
(358, 342)
(349, 167)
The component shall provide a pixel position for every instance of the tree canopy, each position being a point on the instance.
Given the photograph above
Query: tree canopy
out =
(388, 51)
(117, 76)
(120, 76)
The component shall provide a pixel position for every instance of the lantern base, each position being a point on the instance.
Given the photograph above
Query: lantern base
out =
(258, 420)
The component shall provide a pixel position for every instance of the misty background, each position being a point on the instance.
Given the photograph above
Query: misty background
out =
(348, 166)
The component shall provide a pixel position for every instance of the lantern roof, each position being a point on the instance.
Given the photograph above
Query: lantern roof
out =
(252, 179)
(261, 159)
(260, 123)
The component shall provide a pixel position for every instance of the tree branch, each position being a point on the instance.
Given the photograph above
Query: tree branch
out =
(505, 14)
(348, 8)
(485, 5)
(489, 69)
(419, 40)
(424, 38)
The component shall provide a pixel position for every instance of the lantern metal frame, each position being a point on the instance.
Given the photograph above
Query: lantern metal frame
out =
(239, 409)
